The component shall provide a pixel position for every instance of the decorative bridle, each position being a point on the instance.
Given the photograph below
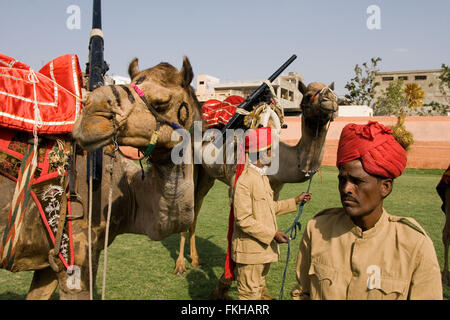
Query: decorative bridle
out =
(159, 121)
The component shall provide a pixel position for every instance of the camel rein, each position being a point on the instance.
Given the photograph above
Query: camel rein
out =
(296, 225)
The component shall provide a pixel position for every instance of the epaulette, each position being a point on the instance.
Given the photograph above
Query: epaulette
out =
(409, 222)
(328, 211)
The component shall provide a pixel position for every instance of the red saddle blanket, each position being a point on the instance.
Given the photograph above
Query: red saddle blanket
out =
(55, 91)
(217, 113)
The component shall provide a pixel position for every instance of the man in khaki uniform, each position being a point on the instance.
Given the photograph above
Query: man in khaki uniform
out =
(255, 237)
(360, 251)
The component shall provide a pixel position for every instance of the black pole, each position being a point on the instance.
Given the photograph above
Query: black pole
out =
(96, 68)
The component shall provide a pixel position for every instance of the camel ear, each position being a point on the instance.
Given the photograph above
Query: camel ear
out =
(186, 72)
(133, 68)
(301, 87)
(331, 86)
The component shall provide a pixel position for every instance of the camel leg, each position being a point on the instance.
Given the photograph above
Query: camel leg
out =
(43, 285)
(204, 184)
(446, 238)
(180, 265)
(195, 260)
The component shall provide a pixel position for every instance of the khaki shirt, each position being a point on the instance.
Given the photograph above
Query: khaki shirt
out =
(393, 260)
(255, 223)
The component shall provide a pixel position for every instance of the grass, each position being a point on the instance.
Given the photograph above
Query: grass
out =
(142, 269)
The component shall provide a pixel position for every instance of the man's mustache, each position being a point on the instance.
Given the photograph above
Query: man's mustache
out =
(347, 197)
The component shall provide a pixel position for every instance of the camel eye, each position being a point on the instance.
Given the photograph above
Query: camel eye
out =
(162, 106)
(183, 113)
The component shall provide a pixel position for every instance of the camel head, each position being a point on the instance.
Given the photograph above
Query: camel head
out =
(319, 102)
(118, 111)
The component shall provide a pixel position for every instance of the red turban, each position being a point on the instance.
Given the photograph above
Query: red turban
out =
(258, 140)
(379, 152)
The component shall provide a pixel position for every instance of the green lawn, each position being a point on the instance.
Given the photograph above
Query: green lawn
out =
(141, 269)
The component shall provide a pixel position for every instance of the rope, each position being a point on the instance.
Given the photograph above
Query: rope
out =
(296, 225)
(108, 220)
(37, 116)
(91, 173)
(292, 232)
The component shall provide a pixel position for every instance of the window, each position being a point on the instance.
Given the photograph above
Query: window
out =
(420, 78)
(403, 77)
(387, 78)
(291, 96)
(201, 82)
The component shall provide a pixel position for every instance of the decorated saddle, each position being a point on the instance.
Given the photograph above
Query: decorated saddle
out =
(217, 113)
(37, 110)
(50, 98)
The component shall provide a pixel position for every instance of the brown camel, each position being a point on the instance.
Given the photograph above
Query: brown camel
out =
(159, 205)
(319, 104)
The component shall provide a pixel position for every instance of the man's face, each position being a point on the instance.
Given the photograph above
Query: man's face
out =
(361, 193)
(266, 157)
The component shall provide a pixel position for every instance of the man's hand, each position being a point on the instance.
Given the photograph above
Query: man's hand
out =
(304, 196)
(281, 237)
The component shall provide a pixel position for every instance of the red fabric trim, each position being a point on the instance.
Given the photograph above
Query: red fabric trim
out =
(229, 263)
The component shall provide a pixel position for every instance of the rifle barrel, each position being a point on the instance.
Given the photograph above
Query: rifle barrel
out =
(237, 119)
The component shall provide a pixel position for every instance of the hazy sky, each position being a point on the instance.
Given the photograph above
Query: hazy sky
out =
(236, 40)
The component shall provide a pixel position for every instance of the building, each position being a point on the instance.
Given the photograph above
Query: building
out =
(285, 87)
(428, 80)
(355, 111)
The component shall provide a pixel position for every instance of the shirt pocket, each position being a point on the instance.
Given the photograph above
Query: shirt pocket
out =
(323, 281)
(389, 289)
(261, 202)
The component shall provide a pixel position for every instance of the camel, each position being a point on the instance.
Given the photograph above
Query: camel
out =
(158, 205)
(319, 104)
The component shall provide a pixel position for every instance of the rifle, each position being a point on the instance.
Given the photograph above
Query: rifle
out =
(96, 68)
(260, 94)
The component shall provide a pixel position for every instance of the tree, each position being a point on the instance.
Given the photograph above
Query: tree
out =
(414, 95)
(361, 88)
(444, 87)
(391, 100)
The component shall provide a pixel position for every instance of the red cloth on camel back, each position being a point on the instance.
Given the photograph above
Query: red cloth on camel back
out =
(217, 113)
(55, 90)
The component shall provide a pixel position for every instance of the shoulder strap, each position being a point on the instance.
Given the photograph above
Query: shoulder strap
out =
(328, 211)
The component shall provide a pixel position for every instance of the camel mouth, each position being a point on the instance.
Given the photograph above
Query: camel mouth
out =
(329, 106)
(94, 145)
(93, 131)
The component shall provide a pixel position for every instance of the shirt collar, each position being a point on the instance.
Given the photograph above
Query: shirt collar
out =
(357, 231)
(261, 171)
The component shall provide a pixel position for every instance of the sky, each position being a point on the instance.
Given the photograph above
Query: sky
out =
(236, 39)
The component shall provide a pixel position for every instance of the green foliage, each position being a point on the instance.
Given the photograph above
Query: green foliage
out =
(361, 88)
(391, 100)
(444, 87)
(444, 84)
(139, 268)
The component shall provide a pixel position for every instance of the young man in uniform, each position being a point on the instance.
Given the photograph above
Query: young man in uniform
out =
(255, 237)
(360, 251)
